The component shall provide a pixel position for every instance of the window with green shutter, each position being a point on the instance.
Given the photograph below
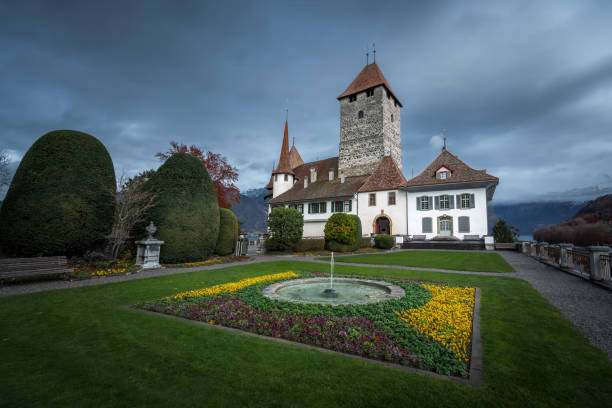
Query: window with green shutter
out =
(464, 224)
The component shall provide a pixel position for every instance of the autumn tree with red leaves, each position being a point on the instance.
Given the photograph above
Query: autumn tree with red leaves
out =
(221, 172)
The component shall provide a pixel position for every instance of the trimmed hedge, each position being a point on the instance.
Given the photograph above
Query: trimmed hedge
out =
(228, 232)
(343, 232)
(384, 241)
(62, 198)
(286, 227)
(306, 245)
(366, 242)
(187, 212)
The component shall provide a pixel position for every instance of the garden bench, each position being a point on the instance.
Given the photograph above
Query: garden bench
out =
(419, 237)
(40, 266)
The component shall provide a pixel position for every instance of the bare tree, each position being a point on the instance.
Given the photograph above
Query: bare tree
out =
(133, 203)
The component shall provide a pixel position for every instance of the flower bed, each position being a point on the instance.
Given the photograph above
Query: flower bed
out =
(211, 261)
(118, 267)
(429, 328)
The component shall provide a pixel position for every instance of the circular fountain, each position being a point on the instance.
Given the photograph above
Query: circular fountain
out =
(338, 291)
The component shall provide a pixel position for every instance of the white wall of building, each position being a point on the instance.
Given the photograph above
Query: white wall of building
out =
(477, 215)
(279, 185)
(396, 213)
(314, 224)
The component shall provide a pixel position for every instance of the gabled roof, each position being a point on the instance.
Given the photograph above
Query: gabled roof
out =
(460, 172)
(369, 77)
(323, 188)
(294, 158)
(386, 176)
(284, 162)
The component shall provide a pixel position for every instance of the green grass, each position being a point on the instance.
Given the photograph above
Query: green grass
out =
(457, 261)
(79, 347)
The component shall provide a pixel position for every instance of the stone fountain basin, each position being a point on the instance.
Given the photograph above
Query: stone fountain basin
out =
(351, 291)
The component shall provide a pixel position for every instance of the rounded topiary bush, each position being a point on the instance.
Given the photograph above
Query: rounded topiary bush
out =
(61, 200)
(228, 232)
(343, 232)
(384, 241)
(186, 213)
(286, 227)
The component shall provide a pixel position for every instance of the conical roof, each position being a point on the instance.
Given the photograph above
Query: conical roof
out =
(295, 159)
(369, 77)
(284, 162)
(386, 176)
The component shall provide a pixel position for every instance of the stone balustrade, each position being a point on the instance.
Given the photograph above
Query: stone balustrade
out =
(592, 262)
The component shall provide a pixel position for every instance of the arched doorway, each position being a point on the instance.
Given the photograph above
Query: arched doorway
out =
(383, 225)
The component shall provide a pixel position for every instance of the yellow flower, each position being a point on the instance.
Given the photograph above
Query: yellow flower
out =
(232, 286)
(446, 318)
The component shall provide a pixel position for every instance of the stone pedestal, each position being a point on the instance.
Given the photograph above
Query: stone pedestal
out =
(261, 244)
(489, 243)
(563, 261)
(533, 248)
(242, 246)
(147, 252)
(524, 247)
(594, 253)
(543, 252)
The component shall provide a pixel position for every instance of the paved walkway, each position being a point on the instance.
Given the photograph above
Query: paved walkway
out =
(587, 306)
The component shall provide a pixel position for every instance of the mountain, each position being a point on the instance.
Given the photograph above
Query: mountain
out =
(252, 211)
(528, 217)
(597, 210)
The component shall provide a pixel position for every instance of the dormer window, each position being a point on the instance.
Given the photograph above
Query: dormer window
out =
(360, 115)
(443, 173)
(370, 92)
(352, 98)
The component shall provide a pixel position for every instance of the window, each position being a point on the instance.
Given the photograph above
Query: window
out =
(391, 198)
(372, 199)
(426, 224)
(388, 95)
(342, 206)
(317, 208)
(360, 115)
(352, 98)
(299, 207)
(370, 92)
(466, 202)
(444, 202)
(443, 175)
(348, 206)
(391, 117)
(464, 224)
(286, 177)
(276, 177)
(424, 203)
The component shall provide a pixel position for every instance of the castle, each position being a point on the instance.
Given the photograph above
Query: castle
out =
(449, 198)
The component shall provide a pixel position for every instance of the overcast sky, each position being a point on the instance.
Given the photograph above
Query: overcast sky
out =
(523, 88)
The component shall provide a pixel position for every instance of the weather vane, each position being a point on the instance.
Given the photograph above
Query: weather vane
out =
(444, 132)
(374, 51)
(367, 54)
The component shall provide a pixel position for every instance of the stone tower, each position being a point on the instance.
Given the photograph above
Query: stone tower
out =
(370, 124)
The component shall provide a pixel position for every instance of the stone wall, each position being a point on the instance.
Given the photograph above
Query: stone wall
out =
(363, 142)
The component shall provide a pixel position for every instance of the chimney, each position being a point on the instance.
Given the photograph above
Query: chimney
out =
(313, 175)
(331, 174)
(305, 182)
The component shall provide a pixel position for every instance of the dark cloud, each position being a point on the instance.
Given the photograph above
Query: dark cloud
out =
(524, 88)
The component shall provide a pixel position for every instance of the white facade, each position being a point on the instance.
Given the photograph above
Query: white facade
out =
(282, 182)
(395, 213)
(477, 215)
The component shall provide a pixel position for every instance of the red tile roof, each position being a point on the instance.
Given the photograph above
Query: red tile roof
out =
(284, 162)
(294, 158)
(460, 172)
(322, 188)
(386, 176)
(369, 77)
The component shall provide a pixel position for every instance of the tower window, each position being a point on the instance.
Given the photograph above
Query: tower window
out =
(360, 115)
(286, 177)
(388, 95)
(352, 98)
(370, 92)
(391, 117)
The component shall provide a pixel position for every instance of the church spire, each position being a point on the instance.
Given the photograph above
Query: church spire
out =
(284, 162)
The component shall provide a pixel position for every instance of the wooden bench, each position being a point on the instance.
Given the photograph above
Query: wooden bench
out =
(40, 266)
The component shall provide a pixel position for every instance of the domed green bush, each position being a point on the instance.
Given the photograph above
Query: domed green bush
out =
(61, 200)
(384, 241)
(286, 226)
(186, 213)
(343, 232)
(228, 232)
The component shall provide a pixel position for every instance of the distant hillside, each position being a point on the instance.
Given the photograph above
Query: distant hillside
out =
(528, 217)
(591, 225)
(252, 211)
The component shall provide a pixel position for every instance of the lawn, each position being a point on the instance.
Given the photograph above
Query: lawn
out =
(80, 347)
(453, 260)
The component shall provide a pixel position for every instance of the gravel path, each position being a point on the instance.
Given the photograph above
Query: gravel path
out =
(587, 306)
